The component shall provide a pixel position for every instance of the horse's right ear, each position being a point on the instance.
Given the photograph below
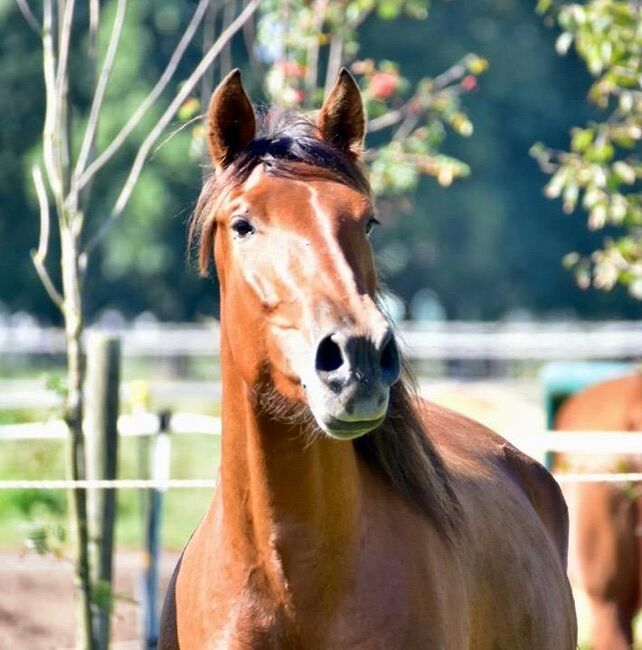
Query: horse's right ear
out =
(231, 124)
(341, 120)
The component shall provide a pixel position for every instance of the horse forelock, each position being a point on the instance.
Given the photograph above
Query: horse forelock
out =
(288, 145)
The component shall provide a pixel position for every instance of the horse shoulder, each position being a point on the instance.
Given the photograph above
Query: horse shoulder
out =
(514, 531)
(544, 493)
(470, 447)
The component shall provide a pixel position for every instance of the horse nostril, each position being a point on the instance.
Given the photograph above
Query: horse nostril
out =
(389, 361)
(329, 355)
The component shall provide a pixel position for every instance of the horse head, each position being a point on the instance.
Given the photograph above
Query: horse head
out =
(287, 216)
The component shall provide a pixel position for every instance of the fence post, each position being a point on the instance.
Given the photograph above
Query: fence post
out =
(102, 399)
(160, 467)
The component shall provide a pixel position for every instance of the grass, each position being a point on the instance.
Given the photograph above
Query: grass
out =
(193, 456)
(23, 511)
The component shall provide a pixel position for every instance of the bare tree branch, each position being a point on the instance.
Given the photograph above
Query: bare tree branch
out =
(65, 23)
(64, 40)
(39, 256)
(335, 59)
(139, 113)
(388, 119)
(165, 119)
(312, 56)
(177, 130)
(94, 19)
(408, 113)
(249, 36)
(28, 16)
(94, 114)
(406, 127)
(335, 56)
(453, 73)
(225, 60)
(209, 27)
(49, 138)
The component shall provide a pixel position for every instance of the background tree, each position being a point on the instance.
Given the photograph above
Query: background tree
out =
(487, 246)
(305, 44)
(602, 169)
(71, 160)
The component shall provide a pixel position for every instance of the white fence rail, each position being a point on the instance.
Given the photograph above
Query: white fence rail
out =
(139, 424)
(147, 424)
(448, 340)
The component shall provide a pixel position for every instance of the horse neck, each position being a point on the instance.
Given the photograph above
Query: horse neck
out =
(290, 507)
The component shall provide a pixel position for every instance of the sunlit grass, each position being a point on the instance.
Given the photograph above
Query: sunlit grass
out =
(193, 456)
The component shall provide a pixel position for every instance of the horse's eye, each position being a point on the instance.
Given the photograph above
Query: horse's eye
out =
(370, 226)
(242, 227)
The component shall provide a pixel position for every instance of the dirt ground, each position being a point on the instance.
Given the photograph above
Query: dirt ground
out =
(37, 606)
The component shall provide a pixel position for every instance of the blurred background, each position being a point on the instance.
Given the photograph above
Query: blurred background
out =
(503, 151)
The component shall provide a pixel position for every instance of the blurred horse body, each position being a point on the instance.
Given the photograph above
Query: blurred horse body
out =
(606, 518)
(349, 514)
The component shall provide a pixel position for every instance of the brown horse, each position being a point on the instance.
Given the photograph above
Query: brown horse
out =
(349, 514)
(605, 517)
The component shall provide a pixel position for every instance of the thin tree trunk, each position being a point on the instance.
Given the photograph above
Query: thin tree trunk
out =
(71, 274)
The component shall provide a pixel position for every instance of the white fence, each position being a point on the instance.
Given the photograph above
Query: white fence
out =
(536, 342)
(439, 341)
(147, 424)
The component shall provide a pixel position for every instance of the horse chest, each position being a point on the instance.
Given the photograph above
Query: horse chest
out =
(350, 627)
(387, 604)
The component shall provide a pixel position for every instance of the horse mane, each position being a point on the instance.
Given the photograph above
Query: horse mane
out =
(400, 450)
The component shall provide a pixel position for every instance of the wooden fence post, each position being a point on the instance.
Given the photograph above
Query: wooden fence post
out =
(102, 409)
(160, 458)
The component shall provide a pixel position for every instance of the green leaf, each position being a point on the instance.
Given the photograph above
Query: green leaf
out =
(543, 6)
(625, 172)
(101, 596)
(389, 10)
(600, 153)
(563, 42)
(582, 139)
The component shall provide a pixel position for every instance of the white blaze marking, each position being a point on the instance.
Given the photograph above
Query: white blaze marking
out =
(343, 268)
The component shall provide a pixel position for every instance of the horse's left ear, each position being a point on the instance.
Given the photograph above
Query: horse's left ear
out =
(341, 120)
(231, 124)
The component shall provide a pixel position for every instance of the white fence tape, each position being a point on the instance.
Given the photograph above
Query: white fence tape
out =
(139, 424)
(445, 340)
(149, 484)
(117, 484)
(147, 424)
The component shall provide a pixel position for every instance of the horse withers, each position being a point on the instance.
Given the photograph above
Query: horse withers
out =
(606, 518)
(349, 513)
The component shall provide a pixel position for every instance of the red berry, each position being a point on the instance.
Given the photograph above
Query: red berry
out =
(469, 82)
(383, 85)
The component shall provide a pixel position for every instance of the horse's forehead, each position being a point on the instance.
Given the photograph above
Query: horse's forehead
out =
(279, 197)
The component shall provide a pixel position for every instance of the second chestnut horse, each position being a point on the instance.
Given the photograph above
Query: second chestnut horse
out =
(606, 518)
(349, 514)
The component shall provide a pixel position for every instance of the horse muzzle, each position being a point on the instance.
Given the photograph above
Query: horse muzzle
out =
(350, 387)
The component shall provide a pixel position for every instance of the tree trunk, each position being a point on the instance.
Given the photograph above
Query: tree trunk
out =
(101, 432)
(76, 466)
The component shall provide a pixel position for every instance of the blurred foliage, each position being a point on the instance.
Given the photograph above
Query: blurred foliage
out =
(304, 43)
(602, 170)
(483, 247)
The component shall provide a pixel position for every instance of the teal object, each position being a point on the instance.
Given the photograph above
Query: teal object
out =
(562, 379)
